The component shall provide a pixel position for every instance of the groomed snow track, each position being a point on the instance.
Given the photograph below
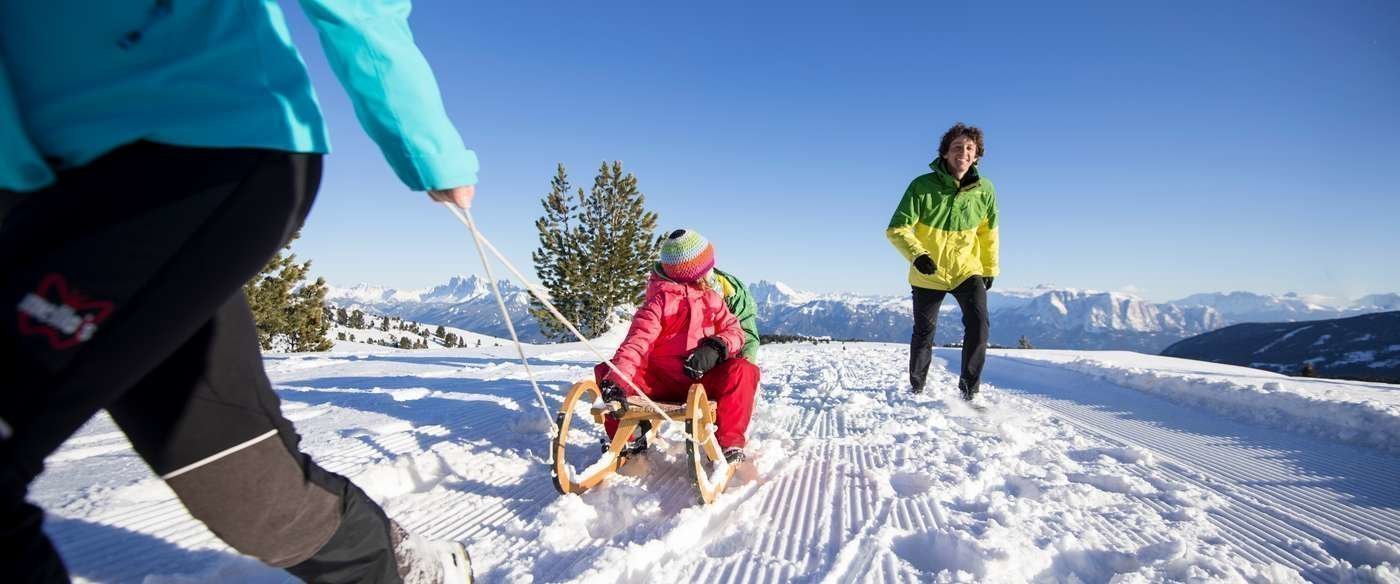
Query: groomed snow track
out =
(1064, 477)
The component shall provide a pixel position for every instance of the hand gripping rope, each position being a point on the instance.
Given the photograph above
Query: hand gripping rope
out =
(465, 216)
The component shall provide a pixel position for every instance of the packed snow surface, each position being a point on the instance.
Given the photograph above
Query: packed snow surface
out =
(1080, 467)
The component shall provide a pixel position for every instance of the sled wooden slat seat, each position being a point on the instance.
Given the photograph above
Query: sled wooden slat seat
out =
(637, 409)
(710, 471)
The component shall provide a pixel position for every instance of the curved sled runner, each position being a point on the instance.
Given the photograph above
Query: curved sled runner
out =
(711, 471)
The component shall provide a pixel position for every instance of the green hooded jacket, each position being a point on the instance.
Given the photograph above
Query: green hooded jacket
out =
(741, 303)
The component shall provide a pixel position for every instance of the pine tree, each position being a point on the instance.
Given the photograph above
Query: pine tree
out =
(558, 261)
(595, 254)
(1024, 343)
(285, 308)
(340, 317)
(308, 321)
(384, 324)
(404, 343)
(622, 238)
(450, 339)
(357, 320)
(441, 330)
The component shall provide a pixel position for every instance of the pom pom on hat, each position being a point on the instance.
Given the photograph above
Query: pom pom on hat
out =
(686, 256)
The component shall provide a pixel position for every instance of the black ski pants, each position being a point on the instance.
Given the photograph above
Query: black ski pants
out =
(122, 290)
(971, 295)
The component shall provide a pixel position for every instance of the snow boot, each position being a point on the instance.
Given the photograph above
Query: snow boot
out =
(638, 444)
(430, 562)
(968, 392)
(456, 563)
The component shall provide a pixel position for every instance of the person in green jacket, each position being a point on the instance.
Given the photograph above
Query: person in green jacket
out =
(740, 301)
(946, 228)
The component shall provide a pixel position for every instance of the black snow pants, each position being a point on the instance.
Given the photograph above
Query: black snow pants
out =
(122, 290)
(971, 295)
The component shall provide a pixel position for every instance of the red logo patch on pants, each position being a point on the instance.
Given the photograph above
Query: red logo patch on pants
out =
(61, 313)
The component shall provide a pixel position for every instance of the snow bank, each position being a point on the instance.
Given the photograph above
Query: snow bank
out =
(1365, 422)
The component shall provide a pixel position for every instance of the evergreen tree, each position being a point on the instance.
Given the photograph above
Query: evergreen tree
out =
(287, 309)
(621, 238)
(450, 339)
(1308, 370)
(384, 324)
(1024, 343)
(404, 343)
(340, 317)
(340, 336)
(357, 320)
(596, 252)
(441, 330)
(558, 261)
(309, 322)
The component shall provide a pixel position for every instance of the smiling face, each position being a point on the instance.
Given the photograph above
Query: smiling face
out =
(960, 155)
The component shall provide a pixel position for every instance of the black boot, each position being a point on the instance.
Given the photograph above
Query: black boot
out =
(638, 444)
(968, 391)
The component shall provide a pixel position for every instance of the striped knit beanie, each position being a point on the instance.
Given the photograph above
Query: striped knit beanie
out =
(686, 256)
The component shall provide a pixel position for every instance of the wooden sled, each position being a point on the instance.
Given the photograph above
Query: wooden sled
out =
(710, 471)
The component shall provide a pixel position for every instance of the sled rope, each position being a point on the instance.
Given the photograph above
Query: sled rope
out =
(483, 244)
(505, 314)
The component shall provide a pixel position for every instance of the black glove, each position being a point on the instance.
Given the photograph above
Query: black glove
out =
(987, 282)
(613, 397)
(611, 390)
(924, 265)
(711, 352)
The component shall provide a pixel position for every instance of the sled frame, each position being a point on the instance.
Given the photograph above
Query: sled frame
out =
(697, 414)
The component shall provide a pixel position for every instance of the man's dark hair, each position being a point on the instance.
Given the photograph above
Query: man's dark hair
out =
(958, 130)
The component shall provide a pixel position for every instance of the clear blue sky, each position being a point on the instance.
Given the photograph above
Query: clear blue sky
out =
(1168, 147)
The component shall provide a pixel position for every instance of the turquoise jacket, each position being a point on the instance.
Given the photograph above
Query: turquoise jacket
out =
(211, 73)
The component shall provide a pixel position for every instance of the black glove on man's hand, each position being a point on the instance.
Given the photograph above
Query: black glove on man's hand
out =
(924, 265)
(704, 358)
(987, 280)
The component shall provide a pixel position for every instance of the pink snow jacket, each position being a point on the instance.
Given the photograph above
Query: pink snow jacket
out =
(671, 322)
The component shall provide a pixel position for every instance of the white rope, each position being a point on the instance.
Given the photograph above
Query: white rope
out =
(505, 314)
(482, 243)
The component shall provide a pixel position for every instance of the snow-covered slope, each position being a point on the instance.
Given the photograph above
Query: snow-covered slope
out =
(1359, 347)
(1085, 467)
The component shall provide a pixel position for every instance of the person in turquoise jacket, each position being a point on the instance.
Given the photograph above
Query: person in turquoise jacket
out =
(153, 156)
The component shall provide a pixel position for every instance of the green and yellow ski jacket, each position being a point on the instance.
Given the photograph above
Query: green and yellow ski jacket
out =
(955, 224)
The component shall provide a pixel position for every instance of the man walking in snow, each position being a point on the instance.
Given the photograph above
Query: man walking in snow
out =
(160, 154)
(946, 227)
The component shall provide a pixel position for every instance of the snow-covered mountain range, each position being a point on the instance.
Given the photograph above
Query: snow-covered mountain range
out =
(464, 302)
(1049, 317)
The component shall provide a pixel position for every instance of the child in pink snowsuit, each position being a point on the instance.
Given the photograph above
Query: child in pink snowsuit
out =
(684, 333)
